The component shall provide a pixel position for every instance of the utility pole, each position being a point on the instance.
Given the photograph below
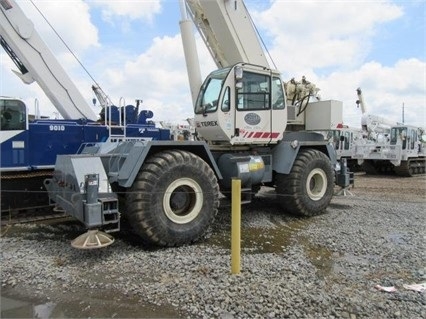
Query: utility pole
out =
(403, 120)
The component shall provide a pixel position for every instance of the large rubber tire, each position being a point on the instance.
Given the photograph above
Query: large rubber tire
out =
(174, 199)
(308, 189)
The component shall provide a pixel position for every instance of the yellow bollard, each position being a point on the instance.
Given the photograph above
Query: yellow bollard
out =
(236, 227)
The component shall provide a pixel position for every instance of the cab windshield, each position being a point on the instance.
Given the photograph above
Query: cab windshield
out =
(208, 97)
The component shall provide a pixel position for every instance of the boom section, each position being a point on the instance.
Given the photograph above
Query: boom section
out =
(227, 31)
(36, 62)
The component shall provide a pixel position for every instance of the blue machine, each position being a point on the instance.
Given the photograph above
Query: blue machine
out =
(29, 147)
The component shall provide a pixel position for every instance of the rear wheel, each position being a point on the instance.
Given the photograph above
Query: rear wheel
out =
(174, 199)
(308, 189)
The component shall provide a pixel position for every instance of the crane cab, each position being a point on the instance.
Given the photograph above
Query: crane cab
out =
(13, 114)
(409, 138)
(242, 104)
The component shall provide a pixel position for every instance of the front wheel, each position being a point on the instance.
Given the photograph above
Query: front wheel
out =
(174, 199)
(308, 189)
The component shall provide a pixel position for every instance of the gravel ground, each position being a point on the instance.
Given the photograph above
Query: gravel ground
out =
(322, 267)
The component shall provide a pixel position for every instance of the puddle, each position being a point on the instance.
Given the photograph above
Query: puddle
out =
(120, 307)
(16, 308)
(320, 257)
(283, 233)
(257, 240)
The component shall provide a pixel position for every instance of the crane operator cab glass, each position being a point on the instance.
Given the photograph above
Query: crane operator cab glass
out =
(404, 136)
(13, 114)
(243, 104)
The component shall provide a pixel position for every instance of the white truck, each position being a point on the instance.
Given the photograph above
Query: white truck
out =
(169, 191)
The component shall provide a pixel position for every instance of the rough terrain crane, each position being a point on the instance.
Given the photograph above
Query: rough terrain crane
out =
(29, 147)
(169, 191)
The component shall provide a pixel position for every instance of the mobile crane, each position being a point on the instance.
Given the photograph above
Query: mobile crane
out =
(389, 146)
(403, 152)
(29, 147)
(170, 190)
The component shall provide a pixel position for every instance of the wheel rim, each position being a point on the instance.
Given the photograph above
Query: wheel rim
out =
(183, 200)
(316, 184)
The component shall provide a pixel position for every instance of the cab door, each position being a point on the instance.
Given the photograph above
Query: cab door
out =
(257, 103)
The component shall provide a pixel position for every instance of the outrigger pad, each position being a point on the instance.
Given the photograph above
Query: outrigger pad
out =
(92, 239)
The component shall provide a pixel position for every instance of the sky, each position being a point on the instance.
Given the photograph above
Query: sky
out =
(133, 50)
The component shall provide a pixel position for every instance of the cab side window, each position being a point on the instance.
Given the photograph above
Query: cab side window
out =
(225, 107)
(277, 93)
(255, 92)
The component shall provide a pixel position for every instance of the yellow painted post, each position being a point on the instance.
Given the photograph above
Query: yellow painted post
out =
(236, 227)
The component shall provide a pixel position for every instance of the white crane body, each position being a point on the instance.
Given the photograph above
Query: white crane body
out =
(388, 146)
(171, 188)
(403, 152)
(227, 31)
(375, 127)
